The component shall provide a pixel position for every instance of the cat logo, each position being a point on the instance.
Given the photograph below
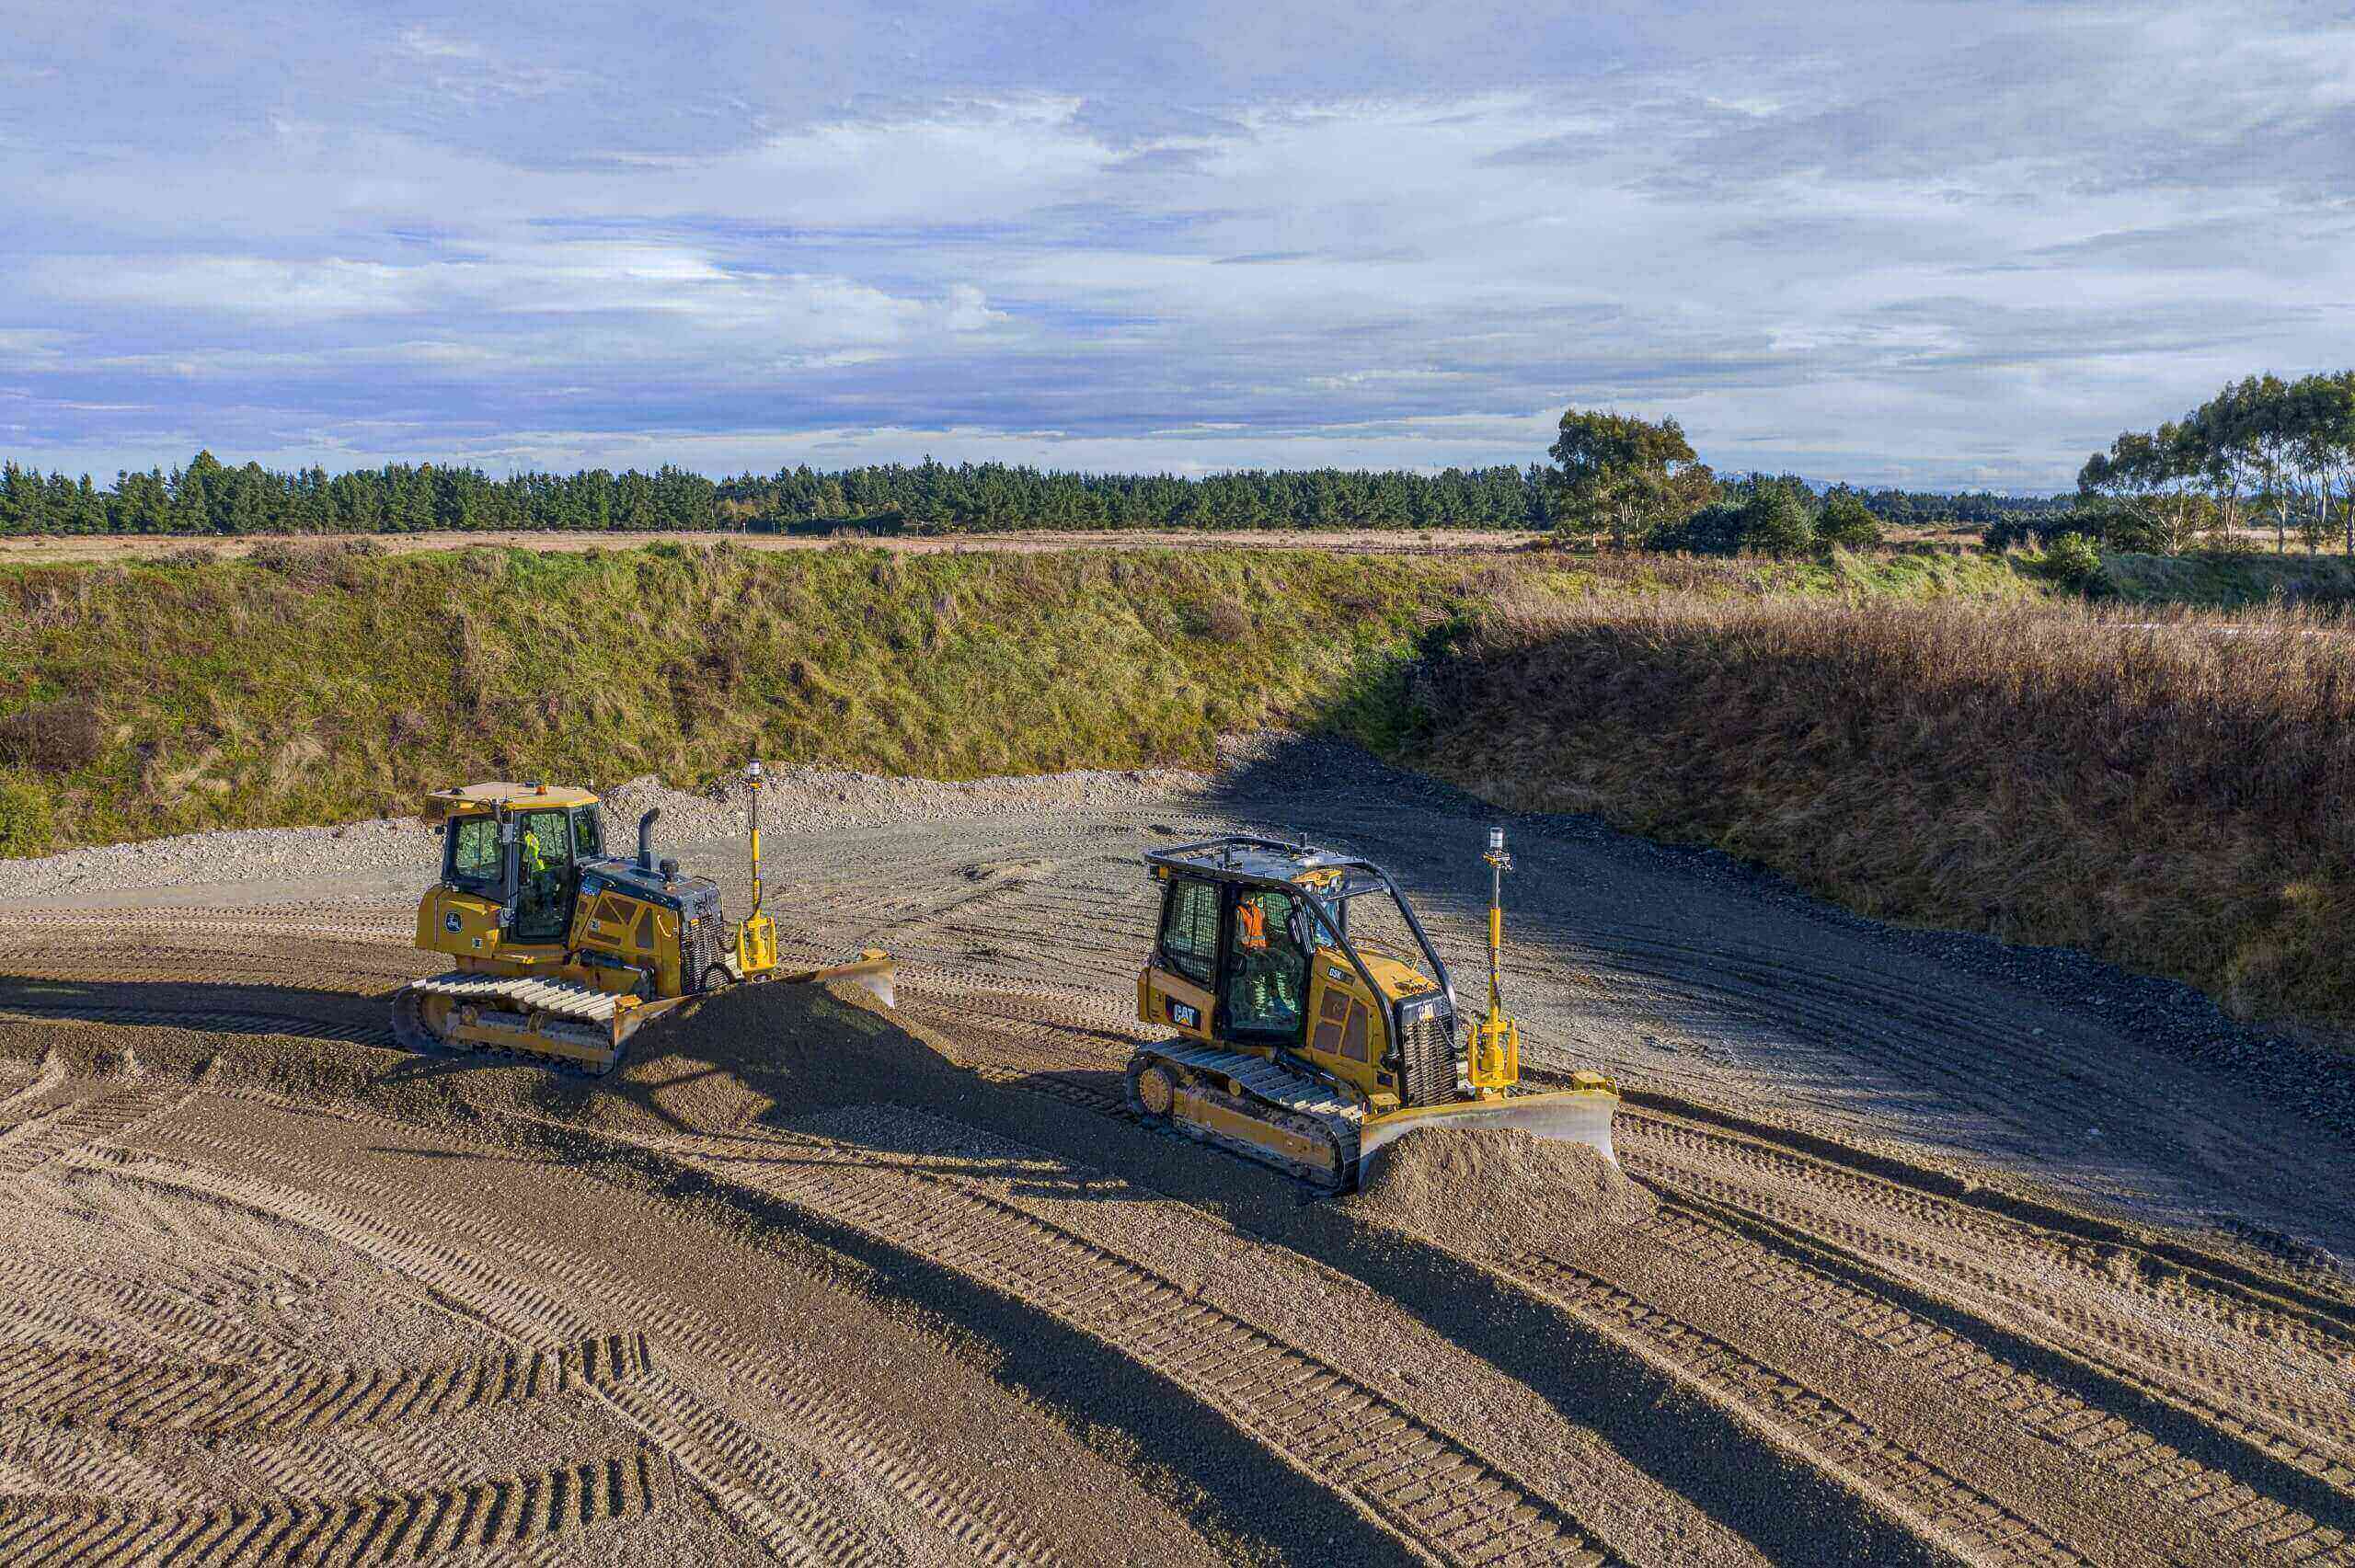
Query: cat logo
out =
(1185, 1017)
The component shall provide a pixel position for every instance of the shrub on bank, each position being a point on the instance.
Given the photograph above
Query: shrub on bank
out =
(2074, 561)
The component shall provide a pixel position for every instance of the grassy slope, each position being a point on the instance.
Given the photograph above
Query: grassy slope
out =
(338, 686)
(2171, 796)
(2230, 582)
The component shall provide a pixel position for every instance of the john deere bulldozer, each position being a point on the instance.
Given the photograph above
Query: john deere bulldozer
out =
(1314, 1021)
(564, 950)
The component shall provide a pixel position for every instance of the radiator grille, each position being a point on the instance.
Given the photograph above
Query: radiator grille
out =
(1426, 1061)
(699, 950)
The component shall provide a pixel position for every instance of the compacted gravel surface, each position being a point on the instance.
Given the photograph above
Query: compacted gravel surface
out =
(1920, 1249)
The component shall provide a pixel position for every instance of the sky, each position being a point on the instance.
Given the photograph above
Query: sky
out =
(1954, 244)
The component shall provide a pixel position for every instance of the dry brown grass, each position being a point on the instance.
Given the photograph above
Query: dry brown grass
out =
(2173, 792)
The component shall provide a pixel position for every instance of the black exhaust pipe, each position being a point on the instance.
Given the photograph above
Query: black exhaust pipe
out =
(646, 838)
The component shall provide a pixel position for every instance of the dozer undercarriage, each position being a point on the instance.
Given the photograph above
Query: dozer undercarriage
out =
(1308, 1047)
(565, 952)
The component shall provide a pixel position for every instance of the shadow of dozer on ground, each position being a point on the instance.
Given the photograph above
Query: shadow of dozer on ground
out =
(228, 1008)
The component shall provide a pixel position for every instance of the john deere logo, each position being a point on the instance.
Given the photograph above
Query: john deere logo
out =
(450, 922)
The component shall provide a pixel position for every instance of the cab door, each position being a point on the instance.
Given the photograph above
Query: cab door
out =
(1178, 987)
(545, 877)
(465, 915)
(1265, 987)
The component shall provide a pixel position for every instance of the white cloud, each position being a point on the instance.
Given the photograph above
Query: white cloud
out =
(1869, 238)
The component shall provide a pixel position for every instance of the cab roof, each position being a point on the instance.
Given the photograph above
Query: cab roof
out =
(479, 799)
(1241, 858)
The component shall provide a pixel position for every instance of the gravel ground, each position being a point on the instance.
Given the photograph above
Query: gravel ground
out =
(797, 798)
(1953, 1241)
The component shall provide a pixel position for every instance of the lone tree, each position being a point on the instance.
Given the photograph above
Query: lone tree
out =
(1846, 521)
(1618, 475)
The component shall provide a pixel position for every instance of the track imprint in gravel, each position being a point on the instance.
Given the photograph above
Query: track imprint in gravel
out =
(765, 1493)
(352, 1532)
(1422, 1484)
(125, 1393)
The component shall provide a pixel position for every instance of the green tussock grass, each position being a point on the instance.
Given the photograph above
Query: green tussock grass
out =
(1925, 574)
(330, 684)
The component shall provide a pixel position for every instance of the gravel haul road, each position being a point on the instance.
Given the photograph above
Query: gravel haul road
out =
(1922, 1250)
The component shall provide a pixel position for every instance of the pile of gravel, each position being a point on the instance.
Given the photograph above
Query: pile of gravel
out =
(1494, 1192)
(398, 848)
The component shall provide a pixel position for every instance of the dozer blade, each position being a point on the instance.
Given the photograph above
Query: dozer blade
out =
(871, 971)
(1569, 1116)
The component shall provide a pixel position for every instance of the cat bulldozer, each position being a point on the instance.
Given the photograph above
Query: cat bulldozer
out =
(1308, 1039)
(564, 951)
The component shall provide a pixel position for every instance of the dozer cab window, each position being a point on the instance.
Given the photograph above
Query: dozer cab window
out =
(476, 862)
(1267, 976)
(544, 888)
(588, 834)
(1190, 930)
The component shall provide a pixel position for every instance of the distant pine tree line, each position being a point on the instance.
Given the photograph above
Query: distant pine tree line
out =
(210, 498)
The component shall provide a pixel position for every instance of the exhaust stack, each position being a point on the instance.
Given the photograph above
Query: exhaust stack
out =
(646, 838)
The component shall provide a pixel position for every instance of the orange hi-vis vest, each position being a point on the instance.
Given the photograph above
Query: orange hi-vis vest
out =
(1254, 922)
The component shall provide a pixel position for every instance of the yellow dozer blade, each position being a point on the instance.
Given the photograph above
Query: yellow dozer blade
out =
(871, 971)
(568, 1023)
(1568, 1116)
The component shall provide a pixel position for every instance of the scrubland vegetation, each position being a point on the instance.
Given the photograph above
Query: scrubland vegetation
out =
(2168, 792)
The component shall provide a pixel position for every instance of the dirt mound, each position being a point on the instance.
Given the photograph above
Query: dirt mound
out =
(1492, 1191)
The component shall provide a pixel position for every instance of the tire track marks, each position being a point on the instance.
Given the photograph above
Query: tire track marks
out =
(129, 1394)
(352, 1532)
(1423, 1484)
(2291, 1425)
(1959, 1515)
(750, 1481)
(105, 1114)
(2232, 1510)
(2226, 1506)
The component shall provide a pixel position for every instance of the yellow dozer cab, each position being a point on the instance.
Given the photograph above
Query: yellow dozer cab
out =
(1314, 1021)
(564, 950)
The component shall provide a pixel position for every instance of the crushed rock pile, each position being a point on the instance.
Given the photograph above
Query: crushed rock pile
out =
(1495, 1191)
